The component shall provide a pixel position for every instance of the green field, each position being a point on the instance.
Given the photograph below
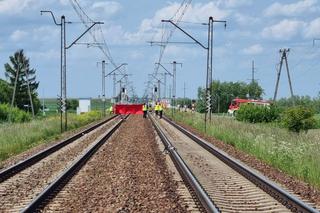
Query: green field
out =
(18, 137)
(295, 154)
(51, 105)
(318, 120)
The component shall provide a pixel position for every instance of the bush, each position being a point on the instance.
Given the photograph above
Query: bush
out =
(16, 115)
(299, 118)
(257, 114)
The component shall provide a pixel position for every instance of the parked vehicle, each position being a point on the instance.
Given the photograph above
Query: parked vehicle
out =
(237, 102)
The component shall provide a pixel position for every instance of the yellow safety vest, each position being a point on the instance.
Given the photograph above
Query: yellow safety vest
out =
(160, 107)
(144, 108)
(156, 108)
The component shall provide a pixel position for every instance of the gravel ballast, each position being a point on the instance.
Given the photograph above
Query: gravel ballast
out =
(127, 174)
(302, 190)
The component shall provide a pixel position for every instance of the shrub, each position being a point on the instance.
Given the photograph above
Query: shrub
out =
(16, 115)
(257, 114)
(299, 118)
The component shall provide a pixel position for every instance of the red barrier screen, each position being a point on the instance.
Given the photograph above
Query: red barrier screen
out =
(128, 109)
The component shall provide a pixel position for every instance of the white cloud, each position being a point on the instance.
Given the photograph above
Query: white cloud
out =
(45, 33)
(17, 6)
(18, 35)
(278, 9)
(253, 50)
(107, 8)
(45, 55)
(313, 29)
(284, 30)
(235, 3)
(64, 2)
(150, 27)
(243, 19)
(182, 51)
(136, 55)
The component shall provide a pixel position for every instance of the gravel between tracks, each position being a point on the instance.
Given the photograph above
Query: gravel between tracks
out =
(127, 174)
(18, 191)
(302, 190)
(229, 191)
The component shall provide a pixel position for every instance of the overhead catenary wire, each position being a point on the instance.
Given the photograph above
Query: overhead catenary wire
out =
(102, 44)
(167, 34)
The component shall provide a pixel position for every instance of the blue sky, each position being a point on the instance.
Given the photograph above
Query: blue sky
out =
(256, 31)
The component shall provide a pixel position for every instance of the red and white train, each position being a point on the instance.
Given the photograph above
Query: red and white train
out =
(236, 103)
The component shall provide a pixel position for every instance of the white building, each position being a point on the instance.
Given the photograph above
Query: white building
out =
(84, 105)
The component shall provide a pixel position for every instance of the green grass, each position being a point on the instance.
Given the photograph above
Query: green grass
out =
(51, 104)
(296, 154)
(317, 117)
(16, 138)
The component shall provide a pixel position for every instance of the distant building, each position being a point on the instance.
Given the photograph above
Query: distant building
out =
(84, 105)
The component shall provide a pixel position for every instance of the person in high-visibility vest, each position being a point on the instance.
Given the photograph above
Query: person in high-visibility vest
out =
(145, 110)
(160, 108)
(156, 108)
(111, 109)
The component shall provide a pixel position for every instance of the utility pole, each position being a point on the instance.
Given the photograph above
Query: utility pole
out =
(253, 71)
(184, 93)
(159, 93)
(165, 79)
(113, 72)
(156, 90)
(174, 73)
(104, 87)
(165, 86)
(114, 85)
(63, 64)
(209, 49)
(19, 70)
(283, 58)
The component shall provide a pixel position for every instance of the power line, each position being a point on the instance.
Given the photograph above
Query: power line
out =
(167, 34)
(102, 45)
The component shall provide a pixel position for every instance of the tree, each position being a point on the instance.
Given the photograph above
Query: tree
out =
(72, 104)
(224, 92)
(18, 70)
(254, 90)
(201, 103)
(5, 92)
(299, 118)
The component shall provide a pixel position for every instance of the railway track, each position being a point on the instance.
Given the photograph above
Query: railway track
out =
(28, 185)
(219, 182)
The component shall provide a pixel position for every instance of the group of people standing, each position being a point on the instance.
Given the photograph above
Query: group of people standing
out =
(158, 109)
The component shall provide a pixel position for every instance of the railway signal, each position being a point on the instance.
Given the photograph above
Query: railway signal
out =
(208, 103)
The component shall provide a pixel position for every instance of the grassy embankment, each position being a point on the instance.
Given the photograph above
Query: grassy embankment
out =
(295, 154)
(18, 137)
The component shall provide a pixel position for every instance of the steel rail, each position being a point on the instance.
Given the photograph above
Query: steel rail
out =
(40, 201)
(14, 169)
(284, 197)
(185, 172)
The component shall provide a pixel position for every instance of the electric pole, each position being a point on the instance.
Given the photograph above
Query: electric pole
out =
(184, 93)
(165, 79)
(252, 72)
(104, 87)
(209, 49)
(20, 67)
(63, 63)
(174, 73)
(283, 58)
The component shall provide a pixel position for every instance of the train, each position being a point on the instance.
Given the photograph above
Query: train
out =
(237, 102)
